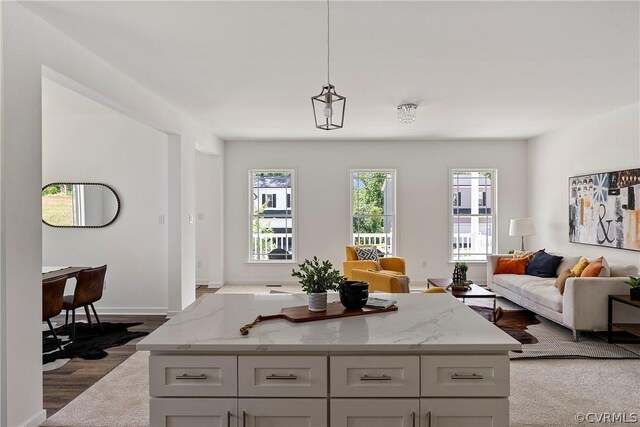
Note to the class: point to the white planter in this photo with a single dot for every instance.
(318, 302)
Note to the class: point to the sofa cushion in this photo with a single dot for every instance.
(620, 270)
(545, 293)
(562, 279)
(577, 269)
(511, 266)
(543, 265)
(515, 282)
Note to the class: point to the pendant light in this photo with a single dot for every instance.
(328, 106)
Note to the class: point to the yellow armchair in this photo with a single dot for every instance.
(381, 275)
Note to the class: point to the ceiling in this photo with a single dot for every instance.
(476, 69)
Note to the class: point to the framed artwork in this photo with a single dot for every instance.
(603, 209)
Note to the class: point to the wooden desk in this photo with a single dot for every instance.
(64, 272)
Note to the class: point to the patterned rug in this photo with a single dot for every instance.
(548, 340)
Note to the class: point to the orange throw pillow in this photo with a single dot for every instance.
(593, 269)
(511, 265)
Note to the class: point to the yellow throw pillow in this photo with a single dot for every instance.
(579, 267)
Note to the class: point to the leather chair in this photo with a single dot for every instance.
(52, 292)
(385, 275)
(88, 290)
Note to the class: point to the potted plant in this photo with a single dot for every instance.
(316, 279)
(634, 292)
(464, 267)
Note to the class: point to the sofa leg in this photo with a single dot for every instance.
(576, 335)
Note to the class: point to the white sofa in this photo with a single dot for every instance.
(583, 307)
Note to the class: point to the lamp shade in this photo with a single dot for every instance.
(522, 227)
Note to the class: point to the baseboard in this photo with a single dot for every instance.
(36, 420)
(208, 284)
(128, 310)
(171, 314)
(261, 282)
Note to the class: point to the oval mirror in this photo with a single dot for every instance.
(78, 205)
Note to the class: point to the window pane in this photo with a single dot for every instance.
(272, 219)
(472, 215)
(373, 215)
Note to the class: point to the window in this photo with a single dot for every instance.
(272, 226)
(373, 207)
(473, 210)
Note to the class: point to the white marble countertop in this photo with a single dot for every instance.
(423, 323)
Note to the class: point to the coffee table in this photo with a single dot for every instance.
(475, 292)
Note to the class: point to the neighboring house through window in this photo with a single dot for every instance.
(272, 236)
(472, 214)
(373, 209)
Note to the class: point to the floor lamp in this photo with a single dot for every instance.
(522, 227)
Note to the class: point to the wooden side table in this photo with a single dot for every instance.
(632, 328)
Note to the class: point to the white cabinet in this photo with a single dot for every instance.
(192, 375)
(465, 376)
(176, 412)
(282, 376)
(282, 412)
(464, 412)
(375, 412)
(375, 376)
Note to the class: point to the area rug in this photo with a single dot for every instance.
(513, 322)
(544, 339)
(90, 343)
(560, 389)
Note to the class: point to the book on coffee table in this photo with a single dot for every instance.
(380, 303)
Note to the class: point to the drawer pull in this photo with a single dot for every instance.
(191, 377)
(466, 377)
(244, 419)
(228, 418)
(281, 377)
(428, 418)
(413, 419)
(376, 378)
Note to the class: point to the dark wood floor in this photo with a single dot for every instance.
(64, 384)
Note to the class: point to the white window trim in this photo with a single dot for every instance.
(294, 214)
(494, 211)
(394, 245)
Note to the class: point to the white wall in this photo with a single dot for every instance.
(209, 208)
(83, 141)
(322, 189)
(32, 47)
(605, 143)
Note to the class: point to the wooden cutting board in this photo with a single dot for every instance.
(301, 313)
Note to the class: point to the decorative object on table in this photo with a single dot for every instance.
(380, 303)
(407, 113)
(316, 279)
(353, 294)
(464, 267)
(456, 277)
(301, 314)
(328, 106)
(522, 227)
(634, 292)
(603, 210)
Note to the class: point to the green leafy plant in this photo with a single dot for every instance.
(463, 267)
(317, 277)
(634, 282)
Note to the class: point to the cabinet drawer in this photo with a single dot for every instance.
(375, 376)
(193, 376)
(374, 412)
(464, 412)
(282, 376)
(282, 412)
(167, 412)
(462, 376)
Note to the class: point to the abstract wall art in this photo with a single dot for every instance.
(604, 211)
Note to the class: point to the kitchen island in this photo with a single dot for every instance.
(433, 362)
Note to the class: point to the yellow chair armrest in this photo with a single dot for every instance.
(349, 266)
(379, 282)
(393, 263)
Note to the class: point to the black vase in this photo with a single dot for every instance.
(354, 294)
(634, 294)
